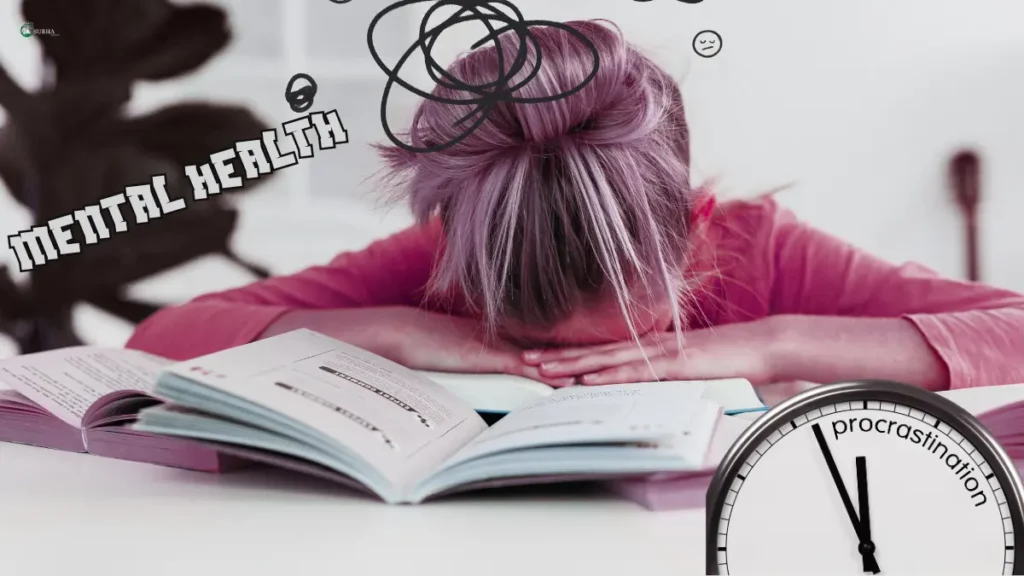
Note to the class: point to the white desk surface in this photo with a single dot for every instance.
(77, 515)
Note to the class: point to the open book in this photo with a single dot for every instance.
(1001, 410)
(79, 399)
(494, 395)
(305, 401)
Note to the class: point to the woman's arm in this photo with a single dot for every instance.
(844, 314)
(835, 349)
(388, 273)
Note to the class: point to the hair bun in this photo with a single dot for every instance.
(601, 207)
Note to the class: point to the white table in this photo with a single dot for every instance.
(78, 515)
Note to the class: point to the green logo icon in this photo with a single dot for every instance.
(27, 29)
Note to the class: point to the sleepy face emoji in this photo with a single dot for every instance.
(707, 43)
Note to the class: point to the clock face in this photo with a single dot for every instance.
(940, 499)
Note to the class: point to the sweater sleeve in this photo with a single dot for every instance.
(390, 272)
(977, 330)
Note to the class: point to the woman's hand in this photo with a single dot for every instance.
(443, 343)
(743, 350)
(417, 339)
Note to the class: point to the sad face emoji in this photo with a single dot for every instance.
(707, 43)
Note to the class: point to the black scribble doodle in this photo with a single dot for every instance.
(380, 393)
(483, 97)
(300, 99)
(347, 414)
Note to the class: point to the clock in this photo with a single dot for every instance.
(865, 477)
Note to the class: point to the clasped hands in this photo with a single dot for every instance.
(729, 351)
(450, 344)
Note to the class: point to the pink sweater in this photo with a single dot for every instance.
(768, 263)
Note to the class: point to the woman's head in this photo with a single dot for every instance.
(558, 210)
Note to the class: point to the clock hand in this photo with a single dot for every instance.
(866, 547)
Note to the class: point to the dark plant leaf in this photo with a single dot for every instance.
(203, 227)
(188, 133)
(69, 146)
(134, 39)
(94, 36)
(131, 310)
(187, 40)
(15, 165)
(13, 98)
(12, 299)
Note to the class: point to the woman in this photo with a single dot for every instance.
(563, 242)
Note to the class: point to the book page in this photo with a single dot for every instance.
(983, 399)
(68, 381)
(8, 394)
(625, 413)
(9, 397)
(502, 394)
(492, 393)
(400, 422)
(734, 395)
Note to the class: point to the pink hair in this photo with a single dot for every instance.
(547, 206)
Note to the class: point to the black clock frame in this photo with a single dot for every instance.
(873, 391)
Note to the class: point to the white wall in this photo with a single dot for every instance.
(861, 104)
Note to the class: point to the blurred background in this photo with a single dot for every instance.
(861, 106)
